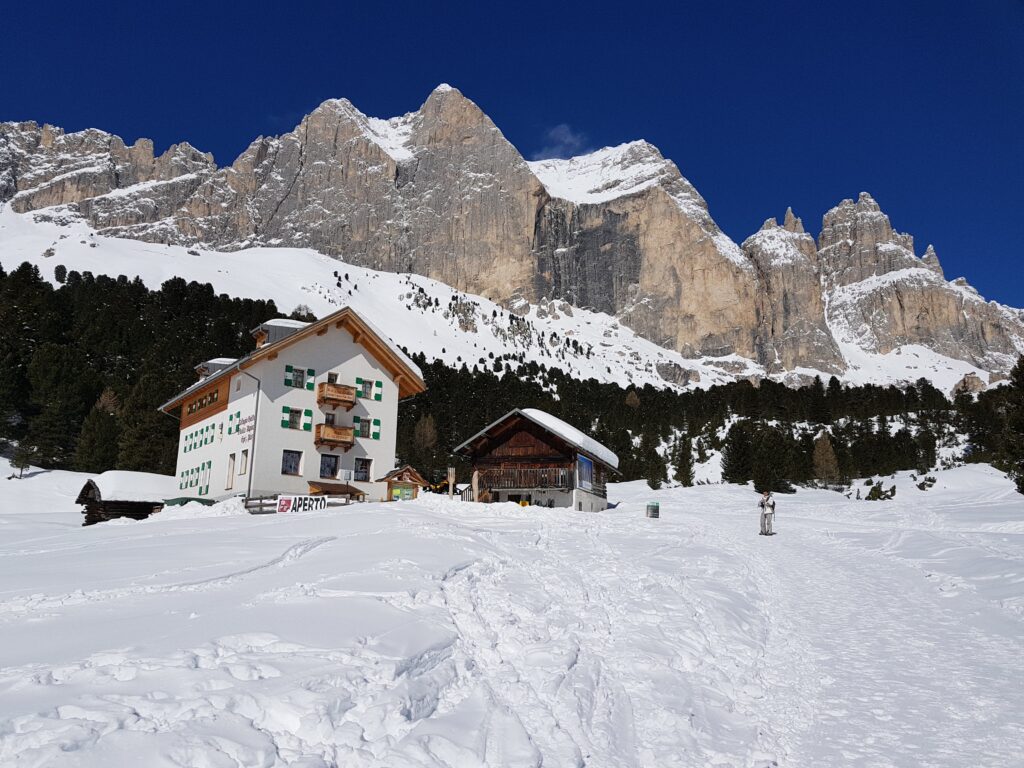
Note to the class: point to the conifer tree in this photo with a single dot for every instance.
(22, 458)
(1012, 453)
(48, 438)
(826, 466)
(772, 457)
(149, 439)
(653, 465)
(738, 454)
(682, 457)
(98, 441)
(927, 453)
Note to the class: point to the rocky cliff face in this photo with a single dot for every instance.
(442, 193)
(792, 327)
(880, 296)
(43, 166)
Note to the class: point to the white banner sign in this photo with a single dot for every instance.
(286, 504)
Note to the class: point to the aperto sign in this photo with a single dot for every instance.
(288, 504)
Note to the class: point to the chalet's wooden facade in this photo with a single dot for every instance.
(529, 456)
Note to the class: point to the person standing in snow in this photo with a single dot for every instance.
(767, 505)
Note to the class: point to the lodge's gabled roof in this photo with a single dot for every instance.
(574, 437)
(405, 372)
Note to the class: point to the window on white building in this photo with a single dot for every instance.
(299, 378)
(332, 378)
(363, 467)
(367, 388)
(295, 419)
(291, 463)
(364, 428)
(243, 465)
(328, 465)
(230, 481)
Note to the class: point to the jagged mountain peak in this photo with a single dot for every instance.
(441, 192)
(792, 223)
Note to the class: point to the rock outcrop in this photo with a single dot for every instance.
(442, 193)
(880, 296)
(42, 166)
(792, 330)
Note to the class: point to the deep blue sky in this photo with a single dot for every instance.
(762, 105)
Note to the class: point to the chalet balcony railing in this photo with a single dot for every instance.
(334, 395)
(532, 477)
(335, 436)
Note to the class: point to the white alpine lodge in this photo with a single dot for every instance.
(313, 410)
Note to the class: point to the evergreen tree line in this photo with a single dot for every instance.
(84, 365)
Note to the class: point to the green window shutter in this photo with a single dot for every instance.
(288, 375)
(355, 420)
(310, 375)
(378, 393)
(376, 429)
(231, 418)
(359, 387)
(284, 416)
(307, 420)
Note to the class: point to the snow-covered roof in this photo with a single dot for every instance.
(574, 437)
(285, 322)
(571, 435)
(119, 485)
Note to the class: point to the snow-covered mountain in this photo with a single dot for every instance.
(441, 193)
(424, 315)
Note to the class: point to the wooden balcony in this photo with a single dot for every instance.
(334, 436)
(526, 478)
(334, 395)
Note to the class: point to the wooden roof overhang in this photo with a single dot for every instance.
(334, 489)
(408, 380)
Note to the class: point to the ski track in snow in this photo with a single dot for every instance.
(438, 633)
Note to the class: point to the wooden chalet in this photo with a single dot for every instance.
(529, 456)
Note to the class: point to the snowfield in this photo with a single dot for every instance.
(438, 633)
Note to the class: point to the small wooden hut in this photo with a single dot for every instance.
(403, 483)
(125, 494)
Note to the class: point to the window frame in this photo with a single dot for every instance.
(298, 465)
(368, 463)
(337, 465)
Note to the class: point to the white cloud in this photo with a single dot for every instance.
(561, 142)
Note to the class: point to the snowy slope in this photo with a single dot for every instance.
(424, 315)
(437, 633)
(418, 313)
